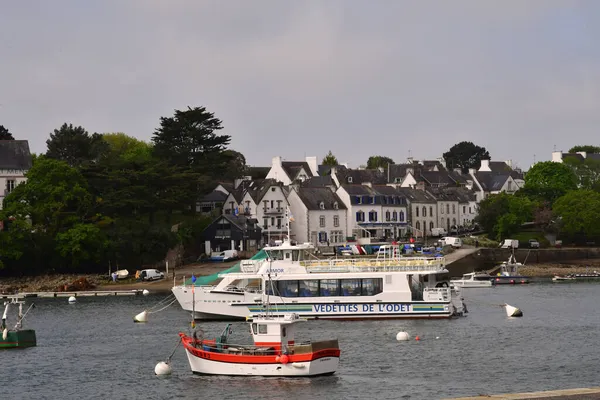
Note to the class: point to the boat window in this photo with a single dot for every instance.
(295, 255)
(288, 288)
(276, 255)
(262, 329)
(309, 288)
(287, 255)
(329, 287)
(371, 287)
(351, 287)
(254, 331)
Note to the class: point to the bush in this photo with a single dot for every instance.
(484, 241)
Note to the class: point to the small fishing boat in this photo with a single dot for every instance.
(474, 280)
(509, 273)
(558, 278)
(16, 337)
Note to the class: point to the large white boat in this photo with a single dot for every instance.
(474, 280)
(389, 286)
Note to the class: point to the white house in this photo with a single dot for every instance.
(374, 211)
(15, 161)
(271, 207)
(319, 216)
(288, 172)
(422, 211)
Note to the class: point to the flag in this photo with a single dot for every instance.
(290, 216)
(236, 211)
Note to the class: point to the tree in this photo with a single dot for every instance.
(579, 211)
(235, 165)
(549, 180)
(587, 172)
(5, 134)
(124, 148)
(491, 209)
(330, 160)
(585, 148)
(375, 162)
(465, 155)
(75, 145)
(501, 215)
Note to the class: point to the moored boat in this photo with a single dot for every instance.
(16, 337)
(509, 273)
(274, 352)
(474, 280)
(558, 278)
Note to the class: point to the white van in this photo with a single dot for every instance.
(453, 241)
(151, 275)
(438, 232)
(510, 244)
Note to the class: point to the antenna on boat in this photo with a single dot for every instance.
(289, 218)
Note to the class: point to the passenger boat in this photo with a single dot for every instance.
(389, 286)
(509, 273)
(275, 351)
(16, 337)
(474, 280)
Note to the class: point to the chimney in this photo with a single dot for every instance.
(410, 160)
(557, 156)
(312, 164)
(442, 161)
(276, 161)
(458, 170)
(472, 171)
(410, 171)
(485, 165)
(509, 163)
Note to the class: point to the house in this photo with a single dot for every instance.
(559, 156)
(419, 178)
(232, 232)
(319, 216)
(225, 187)
(397, 172)
(374, 211)
(504, 167)
(15, 161)
(342, 175)
(493, 178)
(422, 211)
(320, 181)
(288, 172)
(272, 203)
(448, 208)
(212, 202)
(467, 205)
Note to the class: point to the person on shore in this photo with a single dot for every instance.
(114, 277)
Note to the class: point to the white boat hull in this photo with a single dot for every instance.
(472, 284)
(321, 366)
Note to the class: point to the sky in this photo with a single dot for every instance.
(299, 78)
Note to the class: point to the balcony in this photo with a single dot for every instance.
(273, 211)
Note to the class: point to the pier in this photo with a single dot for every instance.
(87, 293)
(564, 394)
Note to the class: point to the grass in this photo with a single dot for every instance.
(523, 238)
(484, 241)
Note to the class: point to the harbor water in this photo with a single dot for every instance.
(93, 350)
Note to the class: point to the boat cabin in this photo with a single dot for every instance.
(276, 332)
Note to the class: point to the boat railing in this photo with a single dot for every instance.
(375, 265)
(432, 294)
(252, 349)
(251, 266)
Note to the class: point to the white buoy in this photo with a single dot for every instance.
(72, 299)
(4, 333)
(513, 311)
(402, 336)
(162, 368)
(437, 337)
(145, 292)
(141, 317)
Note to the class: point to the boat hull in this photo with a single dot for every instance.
(473, 284)
(19, 339)
(511, 280)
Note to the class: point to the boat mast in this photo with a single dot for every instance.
(3, 325)
(287, 217)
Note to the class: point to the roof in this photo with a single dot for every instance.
(259, 187)
(499, 166)
(575, 155)
(258, 172)
(15, 154)
(293, 168)
(227, 186)
(490, 181)
(359, 176)
(319, 181)
(312, 197)
(380, 194)
(416, 195)
(215, 196)
(240, 221)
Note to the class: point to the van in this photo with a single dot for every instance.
(438, 232)
(151, 275)
(453, 241)
(510, 244)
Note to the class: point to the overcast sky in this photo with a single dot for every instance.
(301, 77)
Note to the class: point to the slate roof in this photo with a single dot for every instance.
(359, 176)
(574, 155)
(490, 181)
(258, 172)
(259, 187)
(463, 195)
(292, 168)
(319, 181)
(313, 196)
(215, 196)
(499, 166)
(240, 221)
(15, 154)
(416, 195)
(227, 186)
(379, 194)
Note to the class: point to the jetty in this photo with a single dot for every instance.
(564, 394)
(460, 253)
(86, 293)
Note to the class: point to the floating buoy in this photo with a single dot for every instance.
(4, 333)
(402, 336)
(437, 337)
(513, 311)
(417, 338)
(162, 368)
(141, 317)
(145, 292)
(72, 299)
(284, 359)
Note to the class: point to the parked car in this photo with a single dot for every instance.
(534, 244)
(151, 275)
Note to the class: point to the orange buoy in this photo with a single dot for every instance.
(417, 338)
(284, 359)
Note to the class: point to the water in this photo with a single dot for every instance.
(93, 350)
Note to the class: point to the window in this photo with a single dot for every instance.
(453, 208)
(387, 215)
(262, 329)
(431, 226)
(279, 220)
(453, 221)
(470, 212)
(417, 212)
(430, 211)
(337, 237)
(336, 221)
(447, 208)
(395, 216)
(360, 216)
(272, 204)
(373, 216)
(329, 287)
(372, 199)
(442, 208)
(336, 206)
(401, 216)
(272, 189)
(424, 211)
(442, 222)
(351, 287)
(358, 200)
(287, 288)
(322, 205)
(322, 237)
(371, 287)
(464, 209)
(322, 221)
(265, 223)
(418, 226)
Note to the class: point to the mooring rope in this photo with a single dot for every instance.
(173, 352)
(165, 307)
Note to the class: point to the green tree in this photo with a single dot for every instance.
(587, 172)
(586, 148)
(5, 134)
(491, 209)
(465, 155)
(501, 215)
(330, 160)
(375, 162)
(579, 211)
(124, 148)
(75, 146)
(234, 165)
(549, 180)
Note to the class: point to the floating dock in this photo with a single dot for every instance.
(86, 293)
(564, 394)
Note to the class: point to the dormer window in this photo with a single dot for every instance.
(373, 200)
(349, 179)
(335, 205)
(322, 205)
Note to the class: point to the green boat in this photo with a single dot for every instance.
(16, 338)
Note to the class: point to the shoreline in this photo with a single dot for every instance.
(56, 283)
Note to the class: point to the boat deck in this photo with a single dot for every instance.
(88, 293)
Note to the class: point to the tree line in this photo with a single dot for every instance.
(560, 198)
(95, 199)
